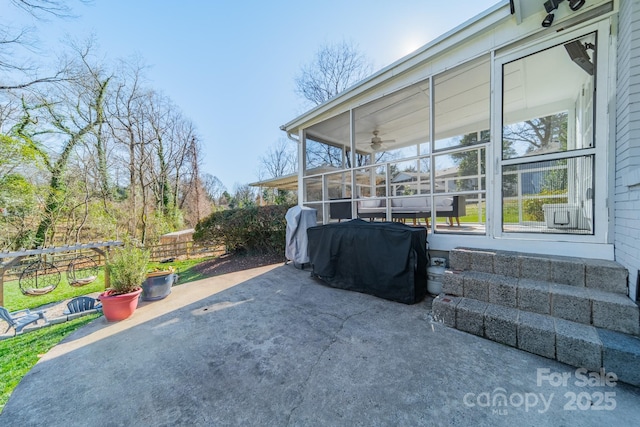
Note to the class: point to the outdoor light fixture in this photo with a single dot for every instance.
(551, 5)
(576, 4)
(548, 20)
(578, 53)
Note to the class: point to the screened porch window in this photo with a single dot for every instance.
(548, 139)
(322, 155)
(462, 121)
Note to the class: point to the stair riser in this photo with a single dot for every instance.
(603, 275)
(568, 342)
(581, 305)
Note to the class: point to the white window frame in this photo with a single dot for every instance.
(602, 123)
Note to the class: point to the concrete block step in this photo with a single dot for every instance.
(569, 342)
(577, 304)
(621, 355)
(604, 275)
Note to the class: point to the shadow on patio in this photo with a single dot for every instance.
(271, 346)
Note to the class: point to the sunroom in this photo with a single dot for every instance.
(494, 135)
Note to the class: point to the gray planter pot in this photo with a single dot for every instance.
(158, 287)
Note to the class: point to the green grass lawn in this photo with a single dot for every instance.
(473, 214)
(184, 269)
(14, 300)
(509, 213)
(19, 354)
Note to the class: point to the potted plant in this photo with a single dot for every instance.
(158, 283)
(127, 269)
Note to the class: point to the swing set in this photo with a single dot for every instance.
(41, 276)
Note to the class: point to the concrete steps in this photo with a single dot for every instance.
(569, 309)
(589, 306)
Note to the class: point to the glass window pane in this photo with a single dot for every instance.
(463, 140)
(371, 182)
(549, 197)
(397, 154)
(338, 185)
(425, 148)
(540, 135)
(424, 178)
(405, 178)
(381, 181)
(362, 159)
(461, 214)
(322, 157)
(461, 171)
(312, 189)
(393, 126)
(549, 108)
(462, 105)
(319, 209)
(325, 142)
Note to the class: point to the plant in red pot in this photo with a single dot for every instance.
(127, 268)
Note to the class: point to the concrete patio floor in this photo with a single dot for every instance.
(273, 347)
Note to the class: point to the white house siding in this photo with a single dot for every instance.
(627, 181)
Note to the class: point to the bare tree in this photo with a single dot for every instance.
(192, 198)
(116, 154)
(41, 8)
(161, 151)
(197, 204)
(535, 135)
(243, 196)
(76, 110)
(279, 160)
(213, 187)
(334, 68)
(185, 160)
(125, 125)
(22, 40)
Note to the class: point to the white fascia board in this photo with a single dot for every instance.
(491, 29)
(460, 34)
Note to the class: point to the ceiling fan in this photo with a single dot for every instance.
(376, 141)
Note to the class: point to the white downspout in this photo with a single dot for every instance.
(301, 149)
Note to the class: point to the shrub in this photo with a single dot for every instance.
(533, 207)
(255, 229)
(127, 268)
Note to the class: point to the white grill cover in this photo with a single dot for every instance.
(299, 218)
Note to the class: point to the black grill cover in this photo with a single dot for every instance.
(385, 259)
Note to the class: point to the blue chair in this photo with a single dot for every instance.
(21, 318)
(80, 304)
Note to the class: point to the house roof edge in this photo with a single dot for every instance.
(493, 15)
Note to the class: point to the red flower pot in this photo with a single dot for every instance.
(119, 307)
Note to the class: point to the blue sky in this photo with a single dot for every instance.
(230, 65)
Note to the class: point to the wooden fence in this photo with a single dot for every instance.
(189, 250)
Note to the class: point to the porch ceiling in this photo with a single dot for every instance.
(461, 97)
(461, 103)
